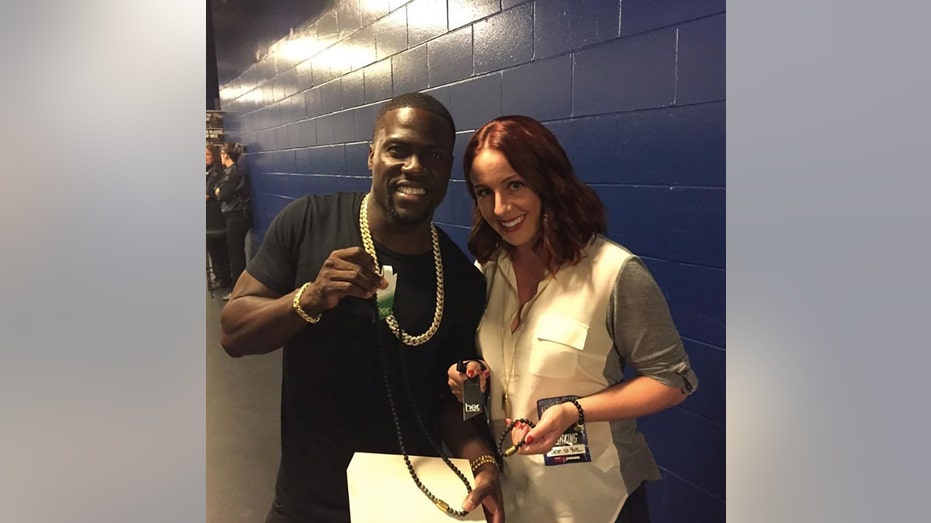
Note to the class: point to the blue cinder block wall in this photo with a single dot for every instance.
(635, 91)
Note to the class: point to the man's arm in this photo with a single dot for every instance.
(258, 320)
(466, 440)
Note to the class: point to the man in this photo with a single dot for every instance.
(311, 288)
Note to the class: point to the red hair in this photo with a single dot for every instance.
(572, 214)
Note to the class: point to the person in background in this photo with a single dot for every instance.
(353, 380)
(216, 247)
(233, 193)
(567, 311)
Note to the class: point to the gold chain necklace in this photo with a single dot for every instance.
(369, 245)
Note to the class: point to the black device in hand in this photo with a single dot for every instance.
(473, 400)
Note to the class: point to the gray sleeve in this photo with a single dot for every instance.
(641, 327)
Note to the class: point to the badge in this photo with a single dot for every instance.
(572, 445)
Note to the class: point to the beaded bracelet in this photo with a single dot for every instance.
(296, 305)
(482, 460)
(578, 407)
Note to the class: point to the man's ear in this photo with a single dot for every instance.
(371, 154)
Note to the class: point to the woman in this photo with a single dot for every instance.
(216, 246)
(567, 311)
(233, 193)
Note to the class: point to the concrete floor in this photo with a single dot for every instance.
(243, 446)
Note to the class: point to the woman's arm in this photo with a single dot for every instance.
(641, 326)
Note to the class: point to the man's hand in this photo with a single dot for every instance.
(258, 320)
(346, 272)
(473, 368)
(487, 492)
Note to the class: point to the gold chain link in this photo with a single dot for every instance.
(369, 245)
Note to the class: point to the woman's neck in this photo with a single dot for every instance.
(528, 259)
(529, 269)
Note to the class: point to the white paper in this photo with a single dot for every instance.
(381, 489)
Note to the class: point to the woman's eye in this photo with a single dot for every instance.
(481, 193)
(515, 185)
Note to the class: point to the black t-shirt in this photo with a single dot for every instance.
(333, 391)
(214, 216)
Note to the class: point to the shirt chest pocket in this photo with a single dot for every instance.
(557, 342)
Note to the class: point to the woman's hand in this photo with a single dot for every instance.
(473, 368)
(518, 432)
(540, 439)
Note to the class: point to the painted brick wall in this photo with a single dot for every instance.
(634, 90)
